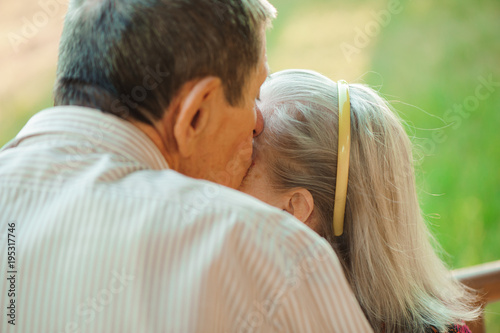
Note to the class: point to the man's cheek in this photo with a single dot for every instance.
(240, 162)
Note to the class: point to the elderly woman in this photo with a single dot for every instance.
(367, 208)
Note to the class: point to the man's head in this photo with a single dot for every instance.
(175, 66)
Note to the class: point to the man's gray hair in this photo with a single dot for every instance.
(130, 57)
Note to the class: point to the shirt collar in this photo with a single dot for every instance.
(95, 127)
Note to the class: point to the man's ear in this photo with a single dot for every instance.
(194, 111)
(300, 204)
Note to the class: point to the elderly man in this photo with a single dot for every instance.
(112, 215)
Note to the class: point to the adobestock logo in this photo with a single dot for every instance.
(298, 274)
(455, 115)
(88, 310)
(139, 93)
(32, 26)
(381, 18)
(483, 91)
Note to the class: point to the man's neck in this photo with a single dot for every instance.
(163, 140)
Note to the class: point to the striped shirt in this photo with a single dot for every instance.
(98, 235)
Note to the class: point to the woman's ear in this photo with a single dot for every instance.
(194, 111)
(300, 204)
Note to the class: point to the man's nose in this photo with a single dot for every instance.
(259, 123)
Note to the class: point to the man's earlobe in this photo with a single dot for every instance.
(194, 112)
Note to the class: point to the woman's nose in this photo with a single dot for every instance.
(259, 123)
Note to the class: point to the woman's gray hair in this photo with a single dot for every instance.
(386, 248)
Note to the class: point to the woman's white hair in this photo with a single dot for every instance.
(386, 248)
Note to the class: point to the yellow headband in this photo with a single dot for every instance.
(342, 157)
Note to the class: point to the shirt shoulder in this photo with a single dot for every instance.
(235, 222)
(201, 201)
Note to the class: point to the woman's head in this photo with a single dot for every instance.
(385, 239)
(298, 149)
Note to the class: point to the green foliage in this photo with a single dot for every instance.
(433, 57)
(438, 59)
(437, 70)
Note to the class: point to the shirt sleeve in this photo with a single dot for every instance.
(298, 280)
(316, 296)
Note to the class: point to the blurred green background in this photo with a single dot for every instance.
(431, 60)
(437, 62)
